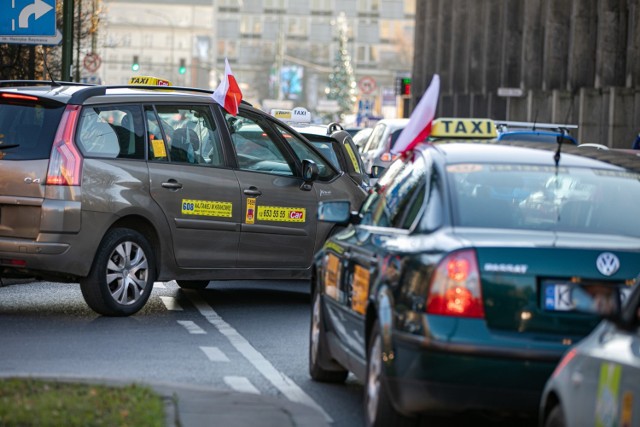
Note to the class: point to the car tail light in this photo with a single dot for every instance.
(455, 287)
(19, 97)
(65, 163)
(388, 157)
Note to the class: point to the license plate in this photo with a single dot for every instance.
(560, 296)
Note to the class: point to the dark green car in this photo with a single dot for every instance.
(450, 290)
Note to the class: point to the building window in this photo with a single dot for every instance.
(251, 24)
(365, 6)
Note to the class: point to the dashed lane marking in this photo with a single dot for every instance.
(171, 303)
(279, 380)
(215, 354)
(191, 327)
(241, 384)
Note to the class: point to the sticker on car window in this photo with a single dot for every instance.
(281, 214)
(360, 287)
(158, 148)
(251, 211)
(608, 394)
(331, 272)
(206, 208)
(352, 156)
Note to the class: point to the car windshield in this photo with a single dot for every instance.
(545, 198)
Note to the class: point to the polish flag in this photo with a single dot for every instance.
(419, 126)
(228, 92)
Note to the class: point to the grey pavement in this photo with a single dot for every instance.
(198, 406)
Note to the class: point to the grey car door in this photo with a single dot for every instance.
(278, 216)
(198, 193)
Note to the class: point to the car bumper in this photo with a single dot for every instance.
(429, 375)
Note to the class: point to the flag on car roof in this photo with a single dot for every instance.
(419, 126)
(228, 92)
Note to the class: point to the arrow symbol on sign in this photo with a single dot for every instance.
(38, 8)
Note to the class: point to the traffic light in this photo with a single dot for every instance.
(183, 67)
(405, 86)
(135, 64)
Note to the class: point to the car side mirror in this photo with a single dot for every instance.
(310, 173)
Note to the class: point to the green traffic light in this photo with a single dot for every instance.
(135, 67)
(182, 70)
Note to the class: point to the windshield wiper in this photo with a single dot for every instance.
(3, 146)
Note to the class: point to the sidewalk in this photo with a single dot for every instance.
(201, 406)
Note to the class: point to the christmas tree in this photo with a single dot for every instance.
(342, 84)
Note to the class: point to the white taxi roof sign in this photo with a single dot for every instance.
(297, 115)
(463, 128)
(148, 81)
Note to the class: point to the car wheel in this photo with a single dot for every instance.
(321, 366)
(192, 284)
(122, 275)
(555, 417)
(378, 409)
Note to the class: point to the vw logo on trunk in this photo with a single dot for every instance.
(607, 263)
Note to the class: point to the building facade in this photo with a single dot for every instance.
(559, 61)
(277, 49)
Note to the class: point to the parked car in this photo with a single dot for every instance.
(536, 132)
(360, 138)
(446, 290)
(332, 140)
(380, 142)
(117, 187)
(597, 383)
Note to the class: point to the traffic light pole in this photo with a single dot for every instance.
(67, 39)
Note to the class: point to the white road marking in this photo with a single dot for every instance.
(171, 303)
(241, 384)
(215, 354)
(279, 380)
(159, 285)
(191, 327)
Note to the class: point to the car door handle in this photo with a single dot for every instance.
(252, 191)
(172, 184)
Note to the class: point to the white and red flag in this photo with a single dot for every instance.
(228, 92)
(419, 126)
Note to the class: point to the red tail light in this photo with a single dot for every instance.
(65, 163)
(19, 97)
(564, 362)
(388, 157)
(455, 287)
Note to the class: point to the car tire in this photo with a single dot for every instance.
(122, 275)
(555, 417)
(321, 366)
(193, 284)
(378, 409)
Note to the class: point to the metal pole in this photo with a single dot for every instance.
(67, 39)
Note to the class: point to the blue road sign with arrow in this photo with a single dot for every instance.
(28, 18)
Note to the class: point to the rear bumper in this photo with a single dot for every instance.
(428, 375)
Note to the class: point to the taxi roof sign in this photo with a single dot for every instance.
(297, 115)
(148, 81)
(463, 128)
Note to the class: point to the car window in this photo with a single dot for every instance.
(28, 127)
(304, 152)
(375, 139)
(112, 131)
(191, 134)
(398, 202)
(255, 150)
(567, 199)
(157, 146)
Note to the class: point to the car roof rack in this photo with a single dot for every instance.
(505, 125)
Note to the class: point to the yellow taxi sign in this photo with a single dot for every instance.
(297, 115)
(463, 128)
(148, 81)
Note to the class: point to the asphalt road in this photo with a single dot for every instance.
(247, 336)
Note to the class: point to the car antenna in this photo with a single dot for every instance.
(46, 67)
(560, 139)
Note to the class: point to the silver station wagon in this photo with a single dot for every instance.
(116, 187)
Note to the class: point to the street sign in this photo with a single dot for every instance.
(510, 92)
(29, 22)
(92, 62)
(367, 85)
(28, 18)
(41, 40)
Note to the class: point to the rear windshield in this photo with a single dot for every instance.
(545, 198)
(27, 130)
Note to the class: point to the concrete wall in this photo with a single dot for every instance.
(576, 62)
